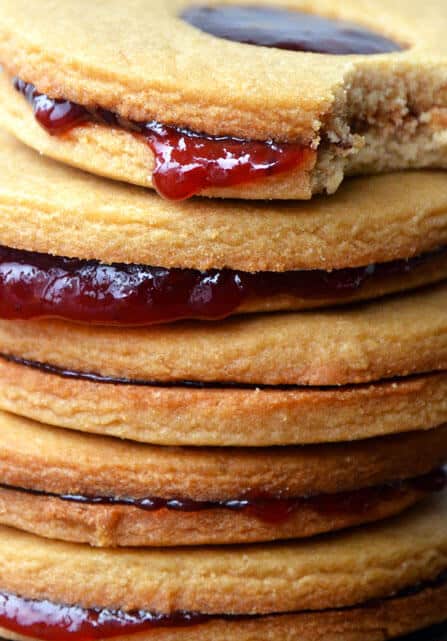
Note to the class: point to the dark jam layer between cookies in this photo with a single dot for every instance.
(291, 30)
(48, 621)
(274, 510)
(186, 162)
(36, 285)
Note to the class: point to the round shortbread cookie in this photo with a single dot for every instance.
(351, 109)
(39, 458)
(225, 417)
(64, 212)
(377, 621)
(399, 336)
(340, 570)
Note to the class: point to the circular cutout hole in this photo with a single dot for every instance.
(285, 29)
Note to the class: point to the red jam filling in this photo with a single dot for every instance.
(48, 621)
(284, 29)
(36, 285)
(185, 162)
(274, 510)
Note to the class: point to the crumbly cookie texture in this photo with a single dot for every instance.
(146, 65)
(400, 336)
(225, 417)
(379, 621)
(65, 212)
(109, 467)
(318, 574)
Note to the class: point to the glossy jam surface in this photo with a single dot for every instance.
(284, 29)
(36, 285)
(56, 116)
(185, 162)
(53, 622)
(274, 510)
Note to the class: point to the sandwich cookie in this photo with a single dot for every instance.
(400, 336)
(90, 251)
(224, 416)
(391, 574)
(300, 96)
(116, 493)
(399, 614)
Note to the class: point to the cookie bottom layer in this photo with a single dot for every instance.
(377, 621)
(38, 457)
(120, 154)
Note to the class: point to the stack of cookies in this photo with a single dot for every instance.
(223, 370)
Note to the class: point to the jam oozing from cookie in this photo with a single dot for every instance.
(273, 510)
(48, 621)
(56, 116)
(284, 29)
(34, 285)
(186, 162)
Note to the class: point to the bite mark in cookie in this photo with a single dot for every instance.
(305, 119)
(186, 162)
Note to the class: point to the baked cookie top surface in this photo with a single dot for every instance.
(336, 571)
(64, 212)
(146, 64)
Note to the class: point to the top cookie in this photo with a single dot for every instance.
(316, 115)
